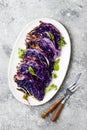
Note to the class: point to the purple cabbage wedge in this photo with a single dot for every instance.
(47, 30)
(41, 70)
(42, 49)
(31, 85)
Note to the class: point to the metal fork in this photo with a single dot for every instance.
(69, 92)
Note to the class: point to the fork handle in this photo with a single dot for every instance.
(57, 112)
(51, 108)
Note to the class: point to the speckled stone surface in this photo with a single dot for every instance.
(14, 15)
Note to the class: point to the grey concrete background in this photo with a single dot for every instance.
(14, 15)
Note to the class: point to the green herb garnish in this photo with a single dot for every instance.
(20, 53)
(31, 70)
(62, 41)
(54, 75)
(50, 35)
(50, 87)
(56, 64)
(25, 96)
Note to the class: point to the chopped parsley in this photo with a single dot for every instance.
(50, 87)
(31, 70)
(56, 64)
(20, 53)
(50, 35)
(62, 41)
(25, 96)
(54, 75)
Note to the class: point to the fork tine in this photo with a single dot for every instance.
(75, 81)
(74, 89)
(71, 88)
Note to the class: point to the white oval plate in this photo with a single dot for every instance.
(64, 61)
